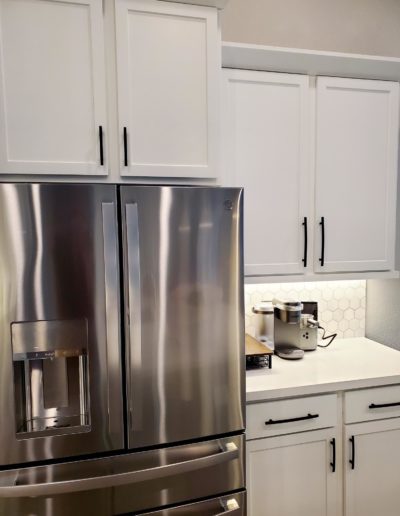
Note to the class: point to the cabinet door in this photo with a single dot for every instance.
(373, 487)
(356, 169)
(293, 475)
(168, 70)
(52, 87)
(265, 125)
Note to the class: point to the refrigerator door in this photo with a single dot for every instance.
(131, 483)
(182, 251)
(60, 363)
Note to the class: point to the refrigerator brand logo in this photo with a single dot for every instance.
(228, 204)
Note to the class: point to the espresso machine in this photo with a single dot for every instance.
(295, 328)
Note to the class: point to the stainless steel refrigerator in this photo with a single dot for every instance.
(121, 350)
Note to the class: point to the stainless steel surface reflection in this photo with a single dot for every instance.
(60, 364)
(184, 312)
(126, 484)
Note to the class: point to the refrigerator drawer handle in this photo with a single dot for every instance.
(231, 506)
(229, 452)
(228, 506)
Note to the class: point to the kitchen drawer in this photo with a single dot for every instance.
(291, 415)
(370, 404)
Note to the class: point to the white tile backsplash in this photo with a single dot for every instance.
(341, 304)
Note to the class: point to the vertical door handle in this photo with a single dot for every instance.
(112, 313)
(352, 459)
(305, 241)
(134, 316)
(333, 463)
(125, 147)
(101, 145)
(322, 224)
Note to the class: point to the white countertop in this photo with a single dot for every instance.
(345, 364)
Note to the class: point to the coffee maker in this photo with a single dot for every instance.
(295, 328)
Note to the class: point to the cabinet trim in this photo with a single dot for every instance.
(309, 62)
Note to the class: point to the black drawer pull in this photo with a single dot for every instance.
(305, 242)
(101, 145)
(352, 459)
(383, 405)
(292, 420)
(333, 463)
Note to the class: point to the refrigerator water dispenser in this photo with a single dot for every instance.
(50, 361)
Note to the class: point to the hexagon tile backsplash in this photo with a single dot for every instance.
(341, 304)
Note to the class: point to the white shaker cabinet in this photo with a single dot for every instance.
(168, 65)
(265, 150)
(356, 170)
(52, 87)
(372, 475)
(293, 475)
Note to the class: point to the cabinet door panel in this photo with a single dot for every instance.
(168, 63)
(52, 86)
(356, 168)
(265, 151)
(373, 487)
(292, 476)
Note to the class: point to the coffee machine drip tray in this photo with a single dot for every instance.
(289, 352)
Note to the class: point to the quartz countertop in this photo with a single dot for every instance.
(346, 364)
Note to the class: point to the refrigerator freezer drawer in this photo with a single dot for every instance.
(125, 483)
(234, 505)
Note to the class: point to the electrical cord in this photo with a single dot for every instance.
(326, 337)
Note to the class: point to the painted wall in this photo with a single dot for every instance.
(382, 312)
(358, 26)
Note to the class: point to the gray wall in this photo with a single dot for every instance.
(383, 312)
(358, 26)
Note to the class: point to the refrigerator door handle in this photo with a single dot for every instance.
(111, 279)
(134, 319)
(11, 486)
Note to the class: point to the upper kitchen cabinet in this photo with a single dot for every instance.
(265, 150)
(168, 59)
(52, 87)
(356, 170)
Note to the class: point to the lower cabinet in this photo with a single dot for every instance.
(372, 469)
(325, 455)
(294, 475)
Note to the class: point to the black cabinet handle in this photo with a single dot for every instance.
(305, 241)
(352, 460)
(125, 147)
(382, 405)
(333, 463)
(101, 145)
(322, 224)
(292, 420)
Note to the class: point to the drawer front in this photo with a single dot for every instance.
(371, 404)
(290, 416)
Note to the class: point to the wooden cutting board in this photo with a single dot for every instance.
(255, 347)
